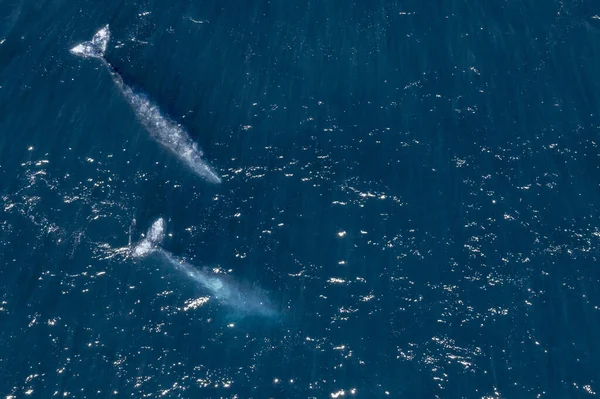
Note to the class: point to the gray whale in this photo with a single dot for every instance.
(243, 298)
(164, 130)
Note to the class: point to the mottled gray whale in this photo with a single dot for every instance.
(163, 129)
(245, 299)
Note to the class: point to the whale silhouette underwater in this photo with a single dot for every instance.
(163, 129)
(243, 299)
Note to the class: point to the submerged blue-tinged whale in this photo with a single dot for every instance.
(163, 129)
(244, 299)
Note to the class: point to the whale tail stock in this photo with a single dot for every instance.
(94, 48)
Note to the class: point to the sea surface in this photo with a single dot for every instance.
(411, 187)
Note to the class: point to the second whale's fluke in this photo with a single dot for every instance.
(153, 238)
(163, 129)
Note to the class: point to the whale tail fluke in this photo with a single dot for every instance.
(96, 47)
(154, 237)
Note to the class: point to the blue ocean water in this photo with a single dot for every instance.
(412, 187)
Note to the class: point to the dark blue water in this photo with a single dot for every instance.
(414, 185)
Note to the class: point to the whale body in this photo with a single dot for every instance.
(163, 129)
